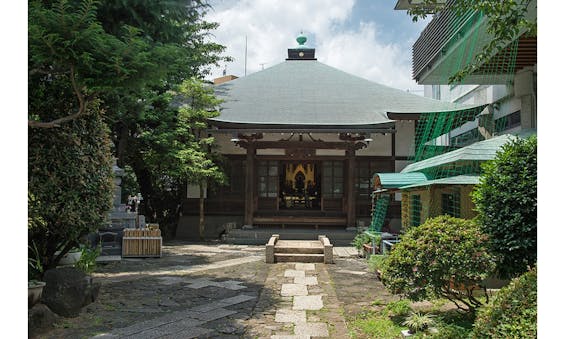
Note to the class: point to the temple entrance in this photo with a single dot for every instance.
(300, 185)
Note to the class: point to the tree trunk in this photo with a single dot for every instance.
(122, 142)
(201, 221)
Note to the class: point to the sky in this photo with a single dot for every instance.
(367, 38)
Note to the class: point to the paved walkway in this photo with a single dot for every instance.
(220, 291)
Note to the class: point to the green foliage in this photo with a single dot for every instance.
(34, 263)
(398, 308)
(129, 54)
(506, 201)
(450, 331)
(70, 179)
(87, 261)
(375, 262)
(197, 161)
(361, 239)
(436, 256)
(371, 325)
(506, 21)
(418, 322)
(512, 312)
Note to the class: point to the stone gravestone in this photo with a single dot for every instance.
(122, 216)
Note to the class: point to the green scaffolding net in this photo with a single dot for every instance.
(450, 146)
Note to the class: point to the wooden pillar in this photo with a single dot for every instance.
(249, 184)
(393, 150)
(350, 156)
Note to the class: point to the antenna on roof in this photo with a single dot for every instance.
(263, 65)
(245, 67)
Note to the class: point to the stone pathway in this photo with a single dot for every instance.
(182, 324)
(308, 304)
(222, 291)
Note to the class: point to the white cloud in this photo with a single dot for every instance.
(271, 27)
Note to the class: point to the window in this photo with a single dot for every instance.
(436, 92)
(415, 210)
(365, 170)
(268, 173)
(466, 138)
(451, 204)
(332, 179)
(507, 122)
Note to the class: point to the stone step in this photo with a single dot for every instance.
(299, 257)
(261, 236)
(299, 247)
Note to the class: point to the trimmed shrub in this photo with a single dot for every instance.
(70, 185)
(445, 257)
(512, 312)
(506, 201)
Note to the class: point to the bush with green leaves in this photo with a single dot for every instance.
(445, 257)
(375, 262)
(87, 261)
(506, 201)
(418, 322)
(398, 308)
(512, 312)
(70, 180)
(360, 239)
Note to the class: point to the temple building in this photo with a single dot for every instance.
(302, 141)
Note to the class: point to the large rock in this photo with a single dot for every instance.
(67, 290)
(40, 318)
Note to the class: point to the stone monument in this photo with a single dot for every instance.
(121, 216)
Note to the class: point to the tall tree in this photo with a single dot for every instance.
(93, 63)
(142, 119)
(506, 200)
(198, 163)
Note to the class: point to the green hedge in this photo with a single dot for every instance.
(513, 311)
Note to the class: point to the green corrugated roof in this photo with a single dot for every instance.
(395, 180)
(456, 180)
(313, 95)
(479, 151)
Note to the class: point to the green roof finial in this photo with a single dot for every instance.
(301, 39)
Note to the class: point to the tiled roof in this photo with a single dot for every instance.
(456, 180)
(310, 94)
(479, 151)
(395, 180)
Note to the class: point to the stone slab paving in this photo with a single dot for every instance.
(291, 290)
(221, 291)
(290, 316)
(308, 302)
(305, 267)
(312, 329)
(294, 273)
(230, 284)
(306, 280)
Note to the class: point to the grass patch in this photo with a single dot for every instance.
(372, 324)
(387, 323)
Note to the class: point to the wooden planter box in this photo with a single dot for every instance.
(142, 243)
